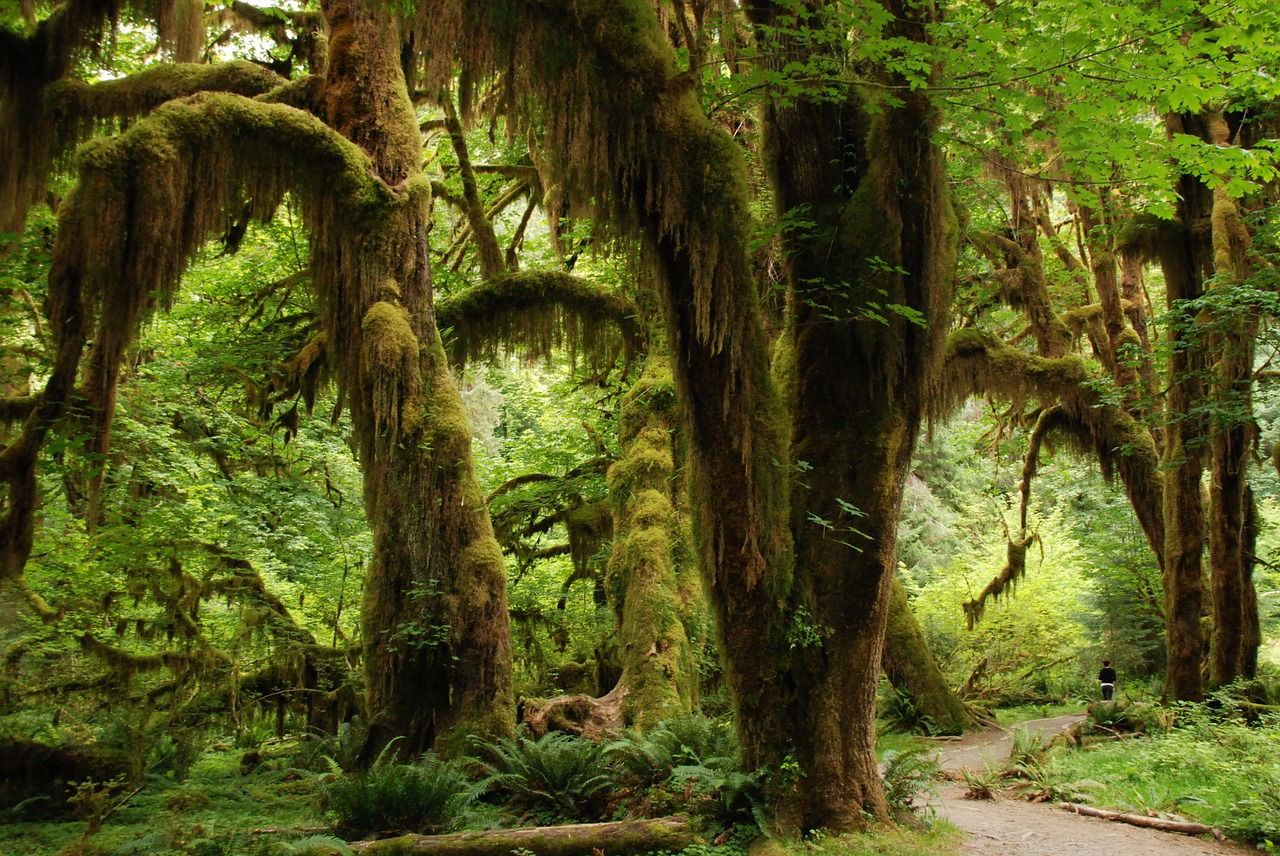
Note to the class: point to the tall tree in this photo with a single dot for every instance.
(345, 143)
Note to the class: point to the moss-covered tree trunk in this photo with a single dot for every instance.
(622, 125)
(625, 128)
(1231, 355)
(1187, 261)
(659, 669)
(884, 234)
(437, 657)
(910, 666)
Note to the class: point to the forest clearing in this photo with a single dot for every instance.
(639, 426)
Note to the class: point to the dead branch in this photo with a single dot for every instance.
(1184, 826)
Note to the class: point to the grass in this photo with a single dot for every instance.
(1210, 767)
(887, 741)
(1007, 716)
(939, 838)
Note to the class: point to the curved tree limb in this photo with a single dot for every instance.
(979, 363)
(540, 311)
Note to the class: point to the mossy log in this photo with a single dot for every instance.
(31, 769)
(581, 839)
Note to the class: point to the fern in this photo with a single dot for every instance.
(908, 774)
(692, 741)
(317, 845)
(557, 771)
(980, 784)
(429, 796)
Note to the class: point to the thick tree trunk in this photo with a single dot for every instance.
(1229, 510)
(910, 666)
(802, 661)
(437, 656)
(659, 670)
(1231, 357)
(1251, 628)
(1187, 261)
(874, 186)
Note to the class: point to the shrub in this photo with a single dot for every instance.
(429, 796)
(980, 784)
(901, 712)
(1114, 716)
(690, 741)
(1027, 750)
(689, 763)
(559, 773)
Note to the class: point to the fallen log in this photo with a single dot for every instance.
(621, 838)
(1184, 826)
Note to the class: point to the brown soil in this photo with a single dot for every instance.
(1013, 827)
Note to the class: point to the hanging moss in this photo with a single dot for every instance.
(40, 124)
(119, 239)
(389, 363)
(15, 408)
(1015, 568)
(543, 312)
(979, 363)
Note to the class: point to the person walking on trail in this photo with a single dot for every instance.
(1107, 677)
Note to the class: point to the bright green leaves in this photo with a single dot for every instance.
(1239, 171)
(1092, 78)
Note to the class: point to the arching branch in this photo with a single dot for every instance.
(979, 364)
(540, 311)
(145, 203)
(43, 112)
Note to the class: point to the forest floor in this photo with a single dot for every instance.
(1013, 827)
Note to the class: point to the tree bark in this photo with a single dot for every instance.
(1187, 261)
(659, 670)
(873, 185)
(910, 666)
(437, 654)
(1231, 357)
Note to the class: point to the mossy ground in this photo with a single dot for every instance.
(213, 811)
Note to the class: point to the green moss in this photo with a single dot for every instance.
(542, 311)
(389, 364)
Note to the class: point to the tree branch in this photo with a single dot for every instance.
(539, 310)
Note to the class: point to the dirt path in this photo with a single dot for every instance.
(1012, 827)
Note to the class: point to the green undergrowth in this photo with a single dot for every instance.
(1210, 765)
(936, 839)
(226, 796)
(1007, 716)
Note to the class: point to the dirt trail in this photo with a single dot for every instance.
(1012, 827)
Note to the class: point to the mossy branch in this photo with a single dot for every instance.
(40, 124)
(978, 364)
(74, 101)
(149, 199)
(1015, 567)
(540, 311)
(15, 408)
